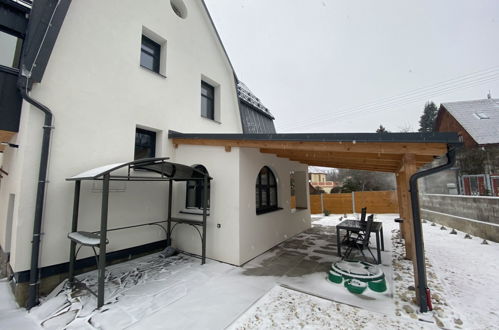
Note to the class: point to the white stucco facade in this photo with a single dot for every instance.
(99, 95)
(258, 233)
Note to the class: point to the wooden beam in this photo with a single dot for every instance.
(402, 201)
(395, 163)
(409, 168)
(342, 163)
(420, 148)
(422, 159)
(5, 136)
(330, 154)
(365, 167)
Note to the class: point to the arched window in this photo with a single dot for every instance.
(194, 198)
(266, 191)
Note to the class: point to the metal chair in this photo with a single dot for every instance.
(361, 241)
(363, 213)
(348, 235)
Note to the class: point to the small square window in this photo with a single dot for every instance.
(207, 101)
(145, 144)
(150, 54)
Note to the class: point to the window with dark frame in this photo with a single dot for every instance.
(266, 191)
(194, 191)
(207, 100)
(150, 54)
(145, 144)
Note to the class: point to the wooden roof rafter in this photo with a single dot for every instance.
(422, 148)
(361, 151)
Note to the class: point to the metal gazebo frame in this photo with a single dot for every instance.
(168, 172)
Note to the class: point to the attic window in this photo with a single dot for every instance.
(179, 8)
(482, 115)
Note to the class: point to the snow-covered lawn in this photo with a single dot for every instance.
(283, 308)
(277, 290)
(469, 275)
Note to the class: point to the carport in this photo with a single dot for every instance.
(403, 154)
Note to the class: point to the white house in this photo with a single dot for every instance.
(119, 77)
(105, 81)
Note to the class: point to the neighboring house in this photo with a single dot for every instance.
(117, 78)
(477, 123)
(319, 181)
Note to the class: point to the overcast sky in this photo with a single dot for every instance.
(349, 66)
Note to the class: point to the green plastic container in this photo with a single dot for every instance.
(335, 277)
(378, 285)
(355, 286)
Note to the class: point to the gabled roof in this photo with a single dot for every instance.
(480, 118)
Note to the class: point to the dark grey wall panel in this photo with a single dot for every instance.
(254, 122)
(40, 37)
(13, 19)
(10, 100)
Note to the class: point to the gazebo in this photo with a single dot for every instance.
(149, 169)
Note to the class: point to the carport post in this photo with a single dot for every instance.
(401, 206)
(353, 202)
(406, 171)
(103, 239)
(74, 228)
(205, 206)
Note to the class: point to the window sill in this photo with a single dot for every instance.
(258, 212)
(9, 70)
(212, 120)
(194, 211)
(156, 73)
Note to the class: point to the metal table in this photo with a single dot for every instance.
(356, 226)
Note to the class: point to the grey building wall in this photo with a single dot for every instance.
(476, 215)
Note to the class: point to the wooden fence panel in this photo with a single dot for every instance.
(315, 204)
(375, 201)
(338, 203)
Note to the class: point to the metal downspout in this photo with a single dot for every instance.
(40, 197)
(418, 233)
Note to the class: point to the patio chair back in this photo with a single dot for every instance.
(363, 213)
(367, 235)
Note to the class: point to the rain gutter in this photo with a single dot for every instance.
(418, 232)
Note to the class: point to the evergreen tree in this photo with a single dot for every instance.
(427, 120)
(381, 129)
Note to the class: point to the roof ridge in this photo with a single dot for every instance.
(471, 101)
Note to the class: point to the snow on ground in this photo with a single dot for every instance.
(11, 316)
(143, 293)
(317, 284)
(177, 292)
(469, 274)
(443, 314)
(282, 308)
